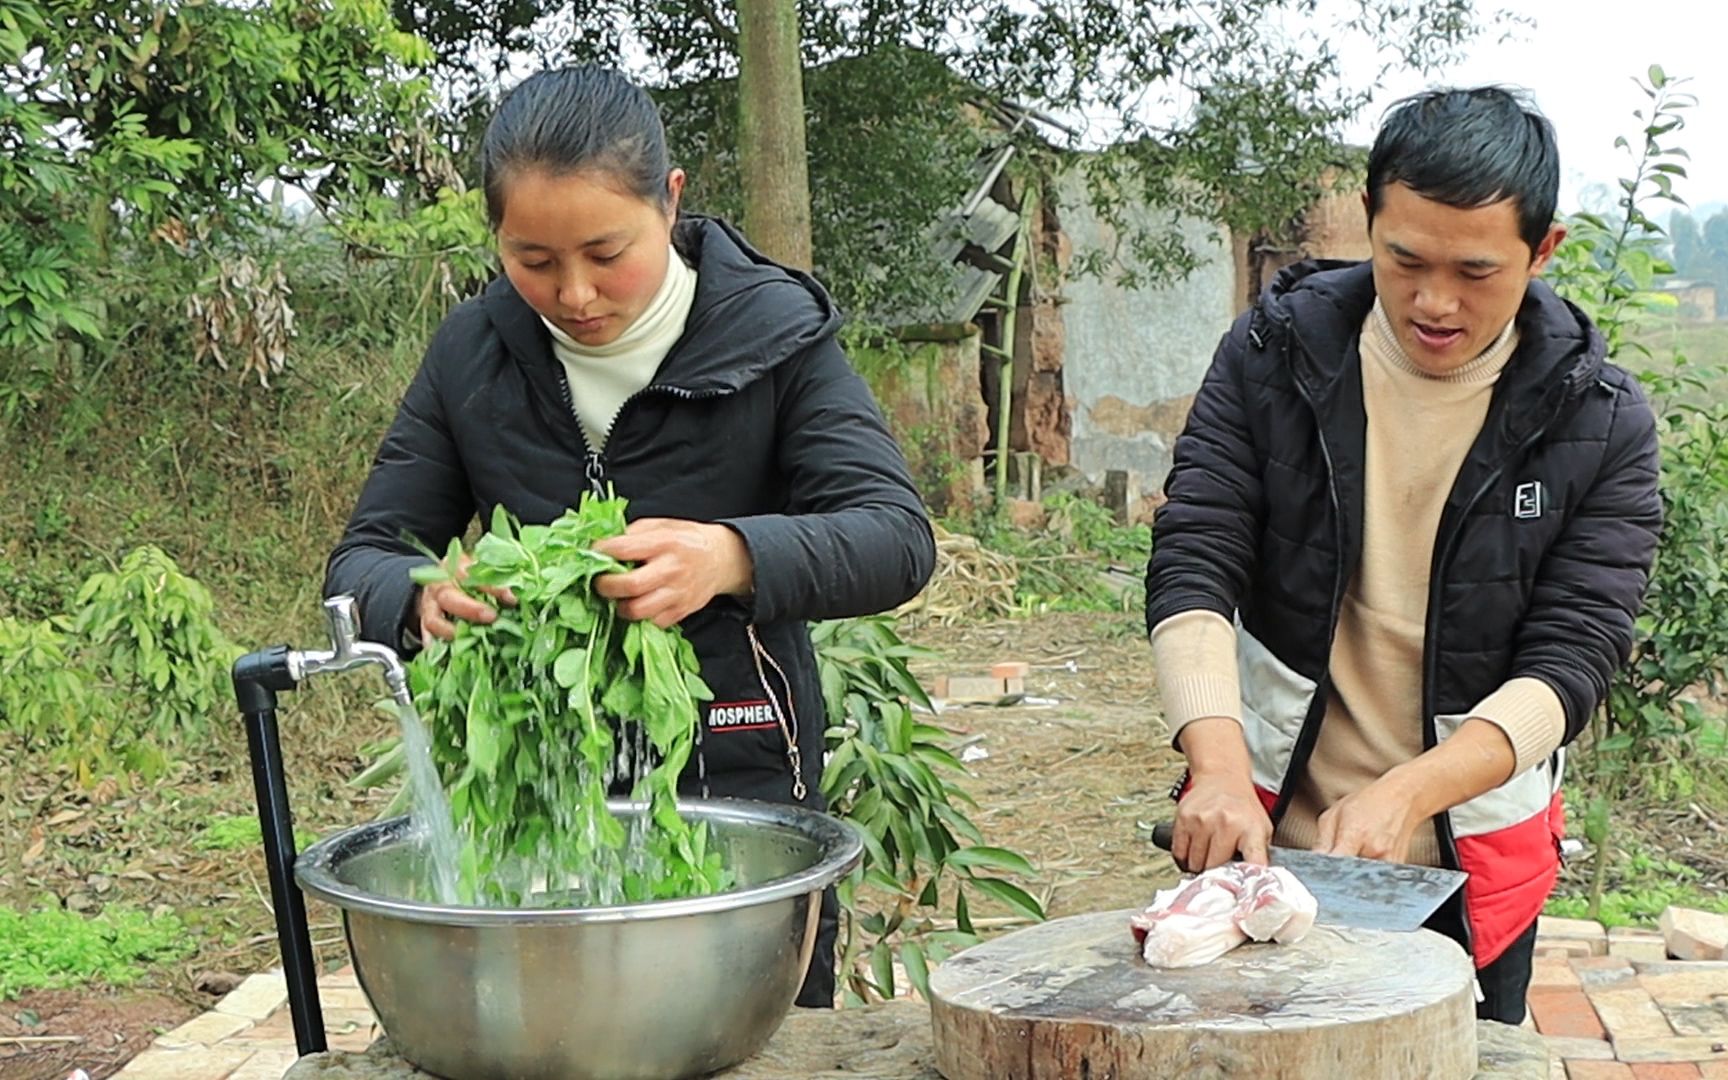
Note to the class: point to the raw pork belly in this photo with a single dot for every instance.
(1206, 916)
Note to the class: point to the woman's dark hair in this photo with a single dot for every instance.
(1470, 148)
(575, 119)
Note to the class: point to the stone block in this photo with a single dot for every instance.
(1685, 984)
(1553, 930)
(1678, 1048)
(1636, 944)
(1571, 1049)
(1596, 971)
(1630, 1013)
(1694, 935)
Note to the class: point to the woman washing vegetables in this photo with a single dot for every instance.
(631, 347)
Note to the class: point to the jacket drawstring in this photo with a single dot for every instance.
(788, 728)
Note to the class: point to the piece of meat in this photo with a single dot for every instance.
(1276, 907)
(1208, 915)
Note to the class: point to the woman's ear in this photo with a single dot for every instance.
(674, 193)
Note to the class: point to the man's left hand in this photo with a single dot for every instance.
(681, 566)
(1377, 822)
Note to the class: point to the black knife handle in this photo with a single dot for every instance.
(1164, 834)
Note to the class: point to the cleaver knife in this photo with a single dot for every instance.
(1368, 894)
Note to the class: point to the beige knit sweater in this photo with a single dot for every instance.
(1420, 428)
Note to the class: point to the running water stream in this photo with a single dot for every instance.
(431, 809)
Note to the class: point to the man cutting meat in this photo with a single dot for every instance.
(1410, 522)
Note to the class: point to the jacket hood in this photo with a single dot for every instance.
(749, 314)
(1324, 302)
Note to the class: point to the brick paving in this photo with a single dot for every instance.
(1609, 1007)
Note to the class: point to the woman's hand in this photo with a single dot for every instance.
(682, 565)
(443, 601)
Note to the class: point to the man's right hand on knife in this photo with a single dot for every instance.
(1221, 818)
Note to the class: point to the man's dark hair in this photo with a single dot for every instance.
(575, 119)
(1470, 148)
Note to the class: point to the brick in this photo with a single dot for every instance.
(203, 1063)
(270, 1064)
(1597, 1070)
(1594, 971)
(1630, 1013)
(1713, 1070)
(1694, 935)
(1678, 1048)
(1011, 669)
(1552, 972)
(1565, 1012)
(342, 976)
(257, 997)
(278, 1029)
(1637, 944)
(1571, 1049)
(205, 1030)
(1671, 1071)
(344, 997)
(980, 688)
(1564, 947)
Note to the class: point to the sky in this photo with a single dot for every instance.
(1579, 61)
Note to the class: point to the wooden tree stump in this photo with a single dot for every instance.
(1073, 1000)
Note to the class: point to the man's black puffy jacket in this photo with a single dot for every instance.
(1544, 546)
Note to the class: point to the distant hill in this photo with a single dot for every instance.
(1702, 212)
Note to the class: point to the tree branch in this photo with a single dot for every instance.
(712, 18)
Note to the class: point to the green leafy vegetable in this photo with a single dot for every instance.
(537, 715)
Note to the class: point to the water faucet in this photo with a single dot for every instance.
(347, 651)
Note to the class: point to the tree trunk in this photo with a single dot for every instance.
(771, 130)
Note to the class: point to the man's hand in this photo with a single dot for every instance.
(682, 565)
(1379, 821)
(1376, 822)
(1222, 814)
(443, 601)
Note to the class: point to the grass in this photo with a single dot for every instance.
(1637, 906)
(237, 832)
(52, 948)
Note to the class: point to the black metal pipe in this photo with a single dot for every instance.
(258, 677)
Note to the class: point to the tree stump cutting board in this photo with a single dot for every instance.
(1072, 999)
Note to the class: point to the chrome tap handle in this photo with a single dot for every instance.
(340, 613)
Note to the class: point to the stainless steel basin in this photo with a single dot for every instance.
(654, 991)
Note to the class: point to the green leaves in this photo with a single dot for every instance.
(896, 779)
(536, 715)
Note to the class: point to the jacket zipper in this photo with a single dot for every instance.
(593, 459)
(1310, 733)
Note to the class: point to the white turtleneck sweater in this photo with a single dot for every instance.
(602, 377)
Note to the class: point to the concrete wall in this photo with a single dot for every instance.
(1133, 358)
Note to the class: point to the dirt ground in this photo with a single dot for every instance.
(1076, 780)
(46, 1034)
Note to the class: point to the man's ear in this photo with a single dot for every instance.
(1545, 250)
